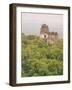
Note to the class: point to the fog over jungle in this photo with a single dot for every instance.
(31, 23)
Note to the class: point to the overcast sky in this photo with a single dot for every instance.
(31, 23)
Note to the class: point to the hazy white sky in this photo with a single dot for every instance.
(31, 23)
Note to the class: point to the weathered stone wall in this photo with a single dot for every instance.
(50, 37)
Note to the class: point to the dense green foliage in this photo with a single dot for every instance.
(40, 58)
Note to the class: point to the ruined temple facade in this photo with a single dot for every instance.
(49, 37)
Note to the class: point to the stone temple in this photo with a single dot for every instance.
(49, 37)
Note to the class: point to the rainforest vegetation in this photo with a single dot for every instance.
(38, 58)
